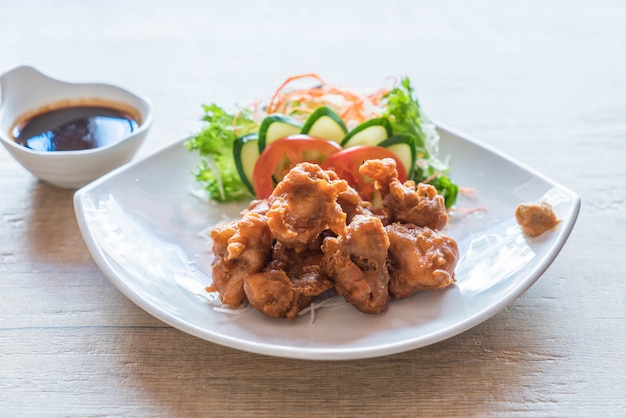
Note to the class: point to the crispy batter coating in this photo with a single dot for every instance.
(272, 293)
(356, 264)
(352, 205)
(288, 284)
(304, 204)
(314, 233)
(420, 258)
(536, 218)
(303, 268)
(407, 203)
(241, 248)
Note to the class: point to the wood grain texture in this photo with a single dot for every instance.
(544, 82)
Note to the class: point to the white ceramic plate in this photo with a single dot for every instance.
(142, 224)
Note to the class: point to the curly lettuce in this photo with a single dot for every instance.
(405, 115)
(217, 171)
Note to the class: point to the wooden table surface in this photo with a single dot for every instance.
(545, 82)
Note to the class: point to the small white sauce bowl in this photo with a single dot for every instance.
(25, 90)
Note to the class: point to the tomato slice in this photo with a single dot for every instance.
(283, 154)
(346, 164)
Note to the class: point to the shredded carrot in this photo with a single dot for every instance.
(354, 112)
(377, 95)
(432, 177)
(468, 211)
(253, 106)
(255, 110)
(352, 107)
(355, 107)
(235, 121)
(273, 104)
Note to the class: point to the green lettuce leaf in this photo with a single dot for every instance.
(405, 115)
(217, 171)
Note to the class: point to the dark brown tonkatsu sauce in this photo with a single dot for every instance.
(74, 128)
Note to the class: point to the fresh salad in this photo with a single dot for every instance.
(246, 152)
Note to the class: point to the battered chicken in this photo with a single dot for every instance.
(315, 233)
(241, 248)
(407, 203)
(304, 204)
(356, 264)
(419, 259)
(352, 205)
(272, 293)
(288, 284)
(536, 218)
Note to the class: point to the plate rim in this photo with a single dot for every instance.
(334, 353)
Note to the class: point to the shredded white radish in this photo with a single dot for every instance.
(326, 303)
(230, 311)
(214, 301)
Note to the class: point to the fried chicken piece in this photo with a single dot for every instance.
(352, 204)
(273, 294)
(536, 218)
(303, 268)
(407, 203)
(382, 171)
(314, 233)
(304, 204)
(259, 206)
(356, 264)
(241, 247)
(420, 258)
(288, 284)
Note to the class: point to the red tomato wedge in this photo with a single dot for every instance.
(346, 164)
(283, 154)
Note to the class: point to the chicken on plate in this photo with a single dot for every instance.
(314, 234)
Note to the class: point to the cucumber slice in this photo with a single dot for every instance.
(246, 153)
(371, 132)
(325, 124)
(275, 127)
(403, 146)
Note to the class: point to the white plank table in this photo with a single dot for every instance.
(545, 82)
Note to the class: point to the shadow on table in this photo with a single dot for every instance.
(485, 370)
(53, 234)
